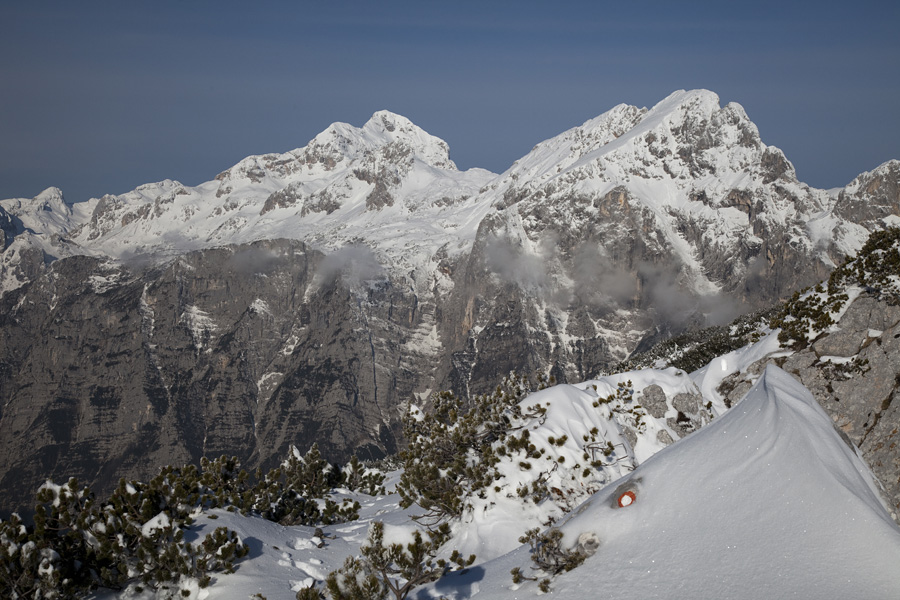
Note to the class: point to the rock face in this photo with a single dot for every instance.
(109, 371)
(872, 197)
(306, 296)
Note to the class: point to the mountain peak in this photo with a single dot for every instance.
(699, 109)
(385, 132)
(685, 136)
(387, 121)
(688, 98)
(699, 101)
(385, 138)
(51, 194)
(50, 201)
(393, 128)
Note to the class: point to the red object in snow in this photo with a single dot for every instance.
(627, 499)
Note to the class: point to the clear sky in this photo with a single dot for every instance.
(100, 97)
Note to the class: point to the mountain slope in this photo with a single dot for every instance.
(634, 226)
(750, 504)
(306, 296)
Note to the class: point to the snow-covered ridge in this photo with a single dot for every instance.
(342, 142)
(389, 184)
(747, 506)
(392, 186)
(624, 135)
(661, 143)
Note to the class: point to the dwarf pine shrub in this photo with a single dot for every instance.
(548, 556)
(393, 568)
(356, 477)
(547, 553)
(78, 544)
(876, 269)
(309, 593)
(296, 492)
(451, 453)
(138, 535)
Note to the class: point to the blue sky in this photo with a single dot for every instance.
(100, 97)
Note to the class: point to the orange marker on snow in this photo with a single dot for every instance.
(627, 498)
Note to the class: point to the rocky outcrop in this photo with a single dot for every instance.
(7, 229)
(872, 197)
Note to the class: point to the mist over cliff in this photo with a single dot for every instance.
(307, 296)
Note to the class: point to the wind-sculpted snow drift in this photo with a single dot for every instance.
(306, 296)
(765, 502)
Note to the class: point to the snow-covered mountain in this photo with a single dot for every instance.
(684, 164)
(388, 184)
(698, 176)
(304, 296)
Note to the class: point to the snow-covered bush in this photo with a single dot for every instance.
(876, 268)
(452, 453)
(548, 556)
(309, 593)
(223, 482)
(806, 315)
(393, 561)
(310, 475)
(137, 536)
(296, 492)
(78, 544)
(357, 477)
(539, 456)
(30, 567)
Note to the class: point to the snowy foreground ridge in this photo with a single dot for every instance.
(767, 501)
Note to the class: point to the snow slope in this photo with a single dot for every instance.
(766, 501)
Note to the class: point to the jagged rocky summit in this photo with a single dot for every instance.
(307, 296)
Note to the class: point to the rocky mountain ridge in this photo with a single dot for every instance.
(306, 296)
